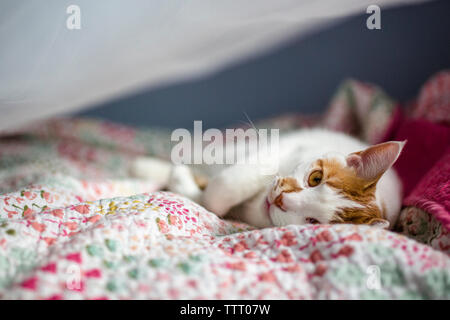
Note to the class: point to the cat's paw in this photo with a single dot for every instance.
(151, 168)
(182, 181)
(232, 187)
(219, 197)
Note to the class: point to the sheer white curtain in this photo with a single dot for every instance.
(126, 45)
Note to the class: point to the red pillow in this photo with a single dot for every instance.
(427, 143)
(424, 164)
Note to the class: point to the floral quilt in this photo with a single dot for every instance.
(75, 225)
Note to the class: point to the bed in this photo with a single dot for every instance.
(75, 225)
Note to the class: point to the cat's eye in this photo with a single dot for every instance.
(312, 220)
(315, 178)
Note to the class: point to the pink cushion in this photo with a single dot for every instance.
(432, 194)
(424, 165)
(427, 143)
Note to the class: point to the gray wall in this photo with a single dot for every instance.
(302, 75)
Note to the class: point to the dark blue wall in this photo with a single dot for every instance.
(414, 43)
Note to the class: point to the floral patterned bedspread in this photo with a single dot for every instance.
(75, 225)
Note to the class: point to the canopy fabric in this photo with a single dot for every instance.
(124, 46)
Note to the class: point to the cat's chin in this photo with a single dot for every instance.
(273, 214)
(280, 218)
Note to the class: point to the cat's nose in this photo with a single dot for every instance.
(282, 186)
(279, 202)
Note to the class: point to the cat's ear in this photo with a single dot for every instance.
(379, 223)
(371, 163)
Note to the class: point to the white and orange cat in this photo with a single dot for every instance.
(324, 177)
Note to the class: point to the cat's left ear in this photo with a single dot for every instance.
(379, 223)
(371, 163)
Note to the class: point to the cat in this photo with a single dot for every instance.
(324, 177)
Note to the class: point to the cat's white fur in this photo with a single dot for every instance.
(250, 194)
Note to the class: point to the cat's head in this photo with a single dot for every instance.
(333, 188)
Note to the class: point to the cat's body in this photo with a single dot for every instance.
(323, 177)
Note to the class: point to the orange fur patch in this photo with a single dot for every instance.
(289, 184)
(346, 181)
